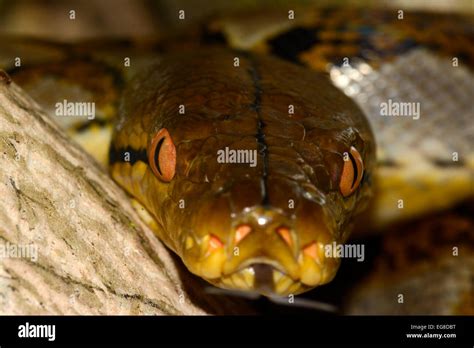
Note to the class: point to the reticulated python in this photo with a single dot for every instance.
(265, 227)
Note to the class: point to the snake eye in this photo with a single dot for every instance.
(162, 155)
(352, 172)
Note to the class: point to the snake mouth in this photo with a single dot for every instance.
(265, 277)
(261, 278)
(262, 263)
(277, 257)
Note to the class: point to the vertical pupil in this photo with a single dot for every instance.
(354, 166)
(157, 155)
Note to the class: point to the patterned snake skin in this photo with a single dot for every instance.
(425, 160)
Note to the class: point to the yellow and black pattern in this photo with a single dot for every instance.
(321, 40)
(326, 36)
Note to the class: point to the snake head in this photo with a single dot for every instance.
(273, 234)
(262, 223)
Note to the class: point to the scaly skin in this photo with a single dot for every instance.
(417, 168)
(300, 159)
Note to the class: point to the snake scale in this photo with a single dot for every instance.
(304, 97)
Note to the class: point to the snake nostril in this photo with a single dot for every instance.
(241, 232)
(285, 234)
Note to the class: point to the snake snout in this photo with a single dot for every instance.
(263, 249)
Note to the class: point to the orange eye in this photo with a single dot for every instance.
(352, 172)
(162, 155)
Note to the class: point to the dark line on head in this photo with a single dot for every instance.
(118, 155)
(256, 106)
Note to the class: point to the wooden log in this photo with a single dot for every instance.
(70, 241)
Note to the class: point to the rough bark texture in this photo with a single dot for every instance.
(94, 255)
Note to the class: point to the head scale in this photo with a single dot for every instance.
(254, 195)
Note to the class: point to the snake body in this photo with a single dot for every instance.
(264, 228)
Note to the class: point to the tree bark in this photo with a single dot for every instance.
(70, 241)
